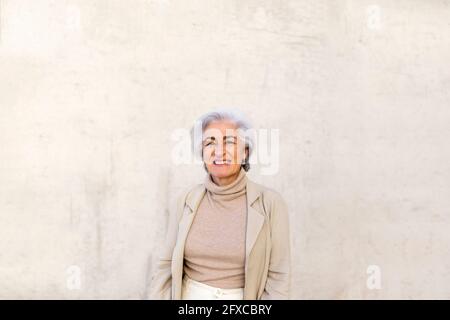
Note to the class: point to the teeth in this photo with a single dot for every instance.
(221, 162)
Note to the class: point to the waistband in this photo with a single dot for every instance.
(202, 285)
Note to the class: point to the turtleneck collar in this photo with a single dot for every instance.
(230, 191)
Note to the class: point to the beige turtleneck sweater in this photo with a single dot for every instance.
(215, 246)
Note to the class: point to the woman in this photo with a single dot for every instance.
(229, 236)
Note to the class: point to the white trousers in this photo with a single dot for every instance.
(194, 290)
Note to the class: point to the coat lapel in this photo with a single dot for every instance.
(189, 210)
(255, 221)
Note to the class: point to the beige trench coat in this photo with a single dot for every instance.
(267, 263)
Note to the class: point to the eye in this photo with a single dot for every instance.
(230, 141)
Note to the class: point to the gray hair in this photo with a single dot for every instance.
(232, 115)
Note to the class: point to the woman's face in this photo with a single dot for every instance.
(223, 150)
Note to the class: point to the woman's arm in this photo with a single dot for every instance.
(161, 281)
(278, 279)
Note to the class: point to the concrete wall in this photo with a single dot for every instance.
(91, 91)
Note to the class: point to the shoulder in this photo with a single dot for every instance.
(272, 199)
(273, 195)
(192, 190)
(189, 192)
(267, 192)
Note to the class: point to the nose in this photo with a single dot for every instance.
(219, 150)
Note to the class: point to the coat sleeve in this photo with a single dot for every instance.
(279, 274)
(160, 287)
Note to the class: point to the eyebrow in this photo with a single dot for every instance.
(224, 138)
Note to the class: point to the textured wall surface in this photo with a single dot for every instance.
(91, 92)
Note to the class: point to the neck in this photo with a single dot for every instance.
(225, 180)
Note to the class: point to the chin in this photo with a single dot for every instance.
(222, 172)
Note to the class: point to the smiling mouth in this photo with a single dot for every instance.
(221, 162)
